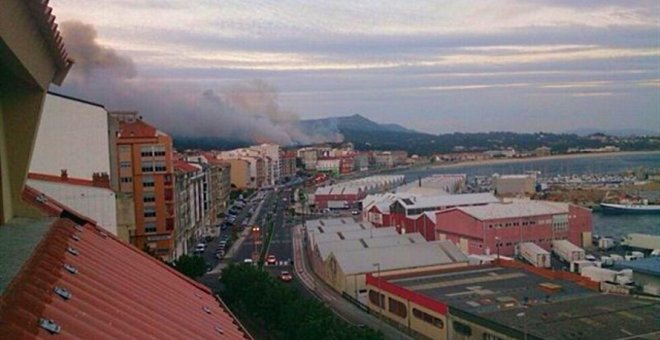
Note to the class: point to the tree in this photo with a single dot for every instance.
(190, 266)
(281, 312)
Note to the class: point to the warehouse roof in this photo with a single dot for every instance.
(649, 265)
(553, 308)
(448, 200)
(378, 241)
(353, 234)
(515, 209)
(416, 255)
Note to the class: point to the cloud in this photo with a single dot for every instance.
(247, 111)
(400, 61)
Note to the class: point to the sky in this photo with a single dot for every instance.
(434, 66)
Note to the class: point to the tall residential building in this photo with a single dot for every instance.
(146, 172)
(288, 164)
(57, 168)
(220, 188)
(272, 151)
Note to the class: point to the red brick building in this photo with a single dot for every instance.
(475, 229)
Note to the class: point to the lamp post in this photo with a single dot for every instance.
(380, 292)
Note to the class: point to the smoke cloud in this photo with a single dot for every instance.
(247, 111)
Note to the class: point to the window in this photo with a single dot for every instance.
(488, 336)
(150, 227)
(146, 151)
(124, 164)
(159, 150)
(147, 167)
(397, 308)
(148, 181)
(169, 224)
(462, 328)
(149, 212)
(160, 166)
(428, 318)
(373, 298)
(149, 197)
(127, 179)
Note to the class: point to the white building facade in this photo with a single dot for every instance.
(71, 159)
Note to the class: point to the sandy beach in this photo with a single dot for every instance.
(553, 157)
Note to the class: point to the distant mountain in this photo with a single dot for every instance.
(615, 132)
(355, 123)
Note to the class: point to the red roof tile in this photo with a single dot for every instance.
(118, 292)
(136, 128)
(185, 166)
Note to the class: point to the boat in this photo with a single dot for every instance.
(613, 208)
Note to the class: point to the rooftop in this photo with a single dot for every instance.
(414, 255)
(66, 276)
(554, 308)
(649, 265)
(515, 209)
(448, 200)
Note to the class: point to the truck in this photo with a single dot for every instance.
(534, 254)
(605, 243)
(641, 241)
(567, 251)
(579, 265)
(608, 275)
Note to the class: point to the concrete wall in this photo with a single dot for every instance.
(69, 129)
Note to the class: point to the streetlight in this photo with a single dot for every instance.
(381, 302)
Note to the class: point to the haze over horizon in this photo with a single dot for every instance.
(432, 66)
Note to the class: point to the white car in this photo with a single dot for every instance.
(247, 261)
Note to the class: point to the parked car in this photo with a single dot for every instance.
(286, 276)
(247, 261)
(355, 212)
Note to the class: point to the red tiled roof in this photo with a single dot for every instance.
(45, 20)
(184, 166)
(136, 128)
(51, 207)
(117, 292)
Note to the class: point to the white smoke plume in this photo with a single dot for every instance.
(248, 111)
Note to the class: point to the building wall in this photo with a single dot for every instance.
(239, 173)
(479, 237)
(58, 147)
(125, 216)
(420, 320)
(512, 186)
(98, 204)
(477, 331)
(130, 152)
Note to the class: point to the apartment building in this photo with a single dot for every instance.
(144, 158)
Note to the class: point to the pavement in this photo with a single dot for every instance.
(342, 307)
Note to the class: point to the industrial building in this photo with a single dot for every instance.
(508, 301)
(646, 272)
(348, 194)
(514, 185)
(477, 229)
(343, 251)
